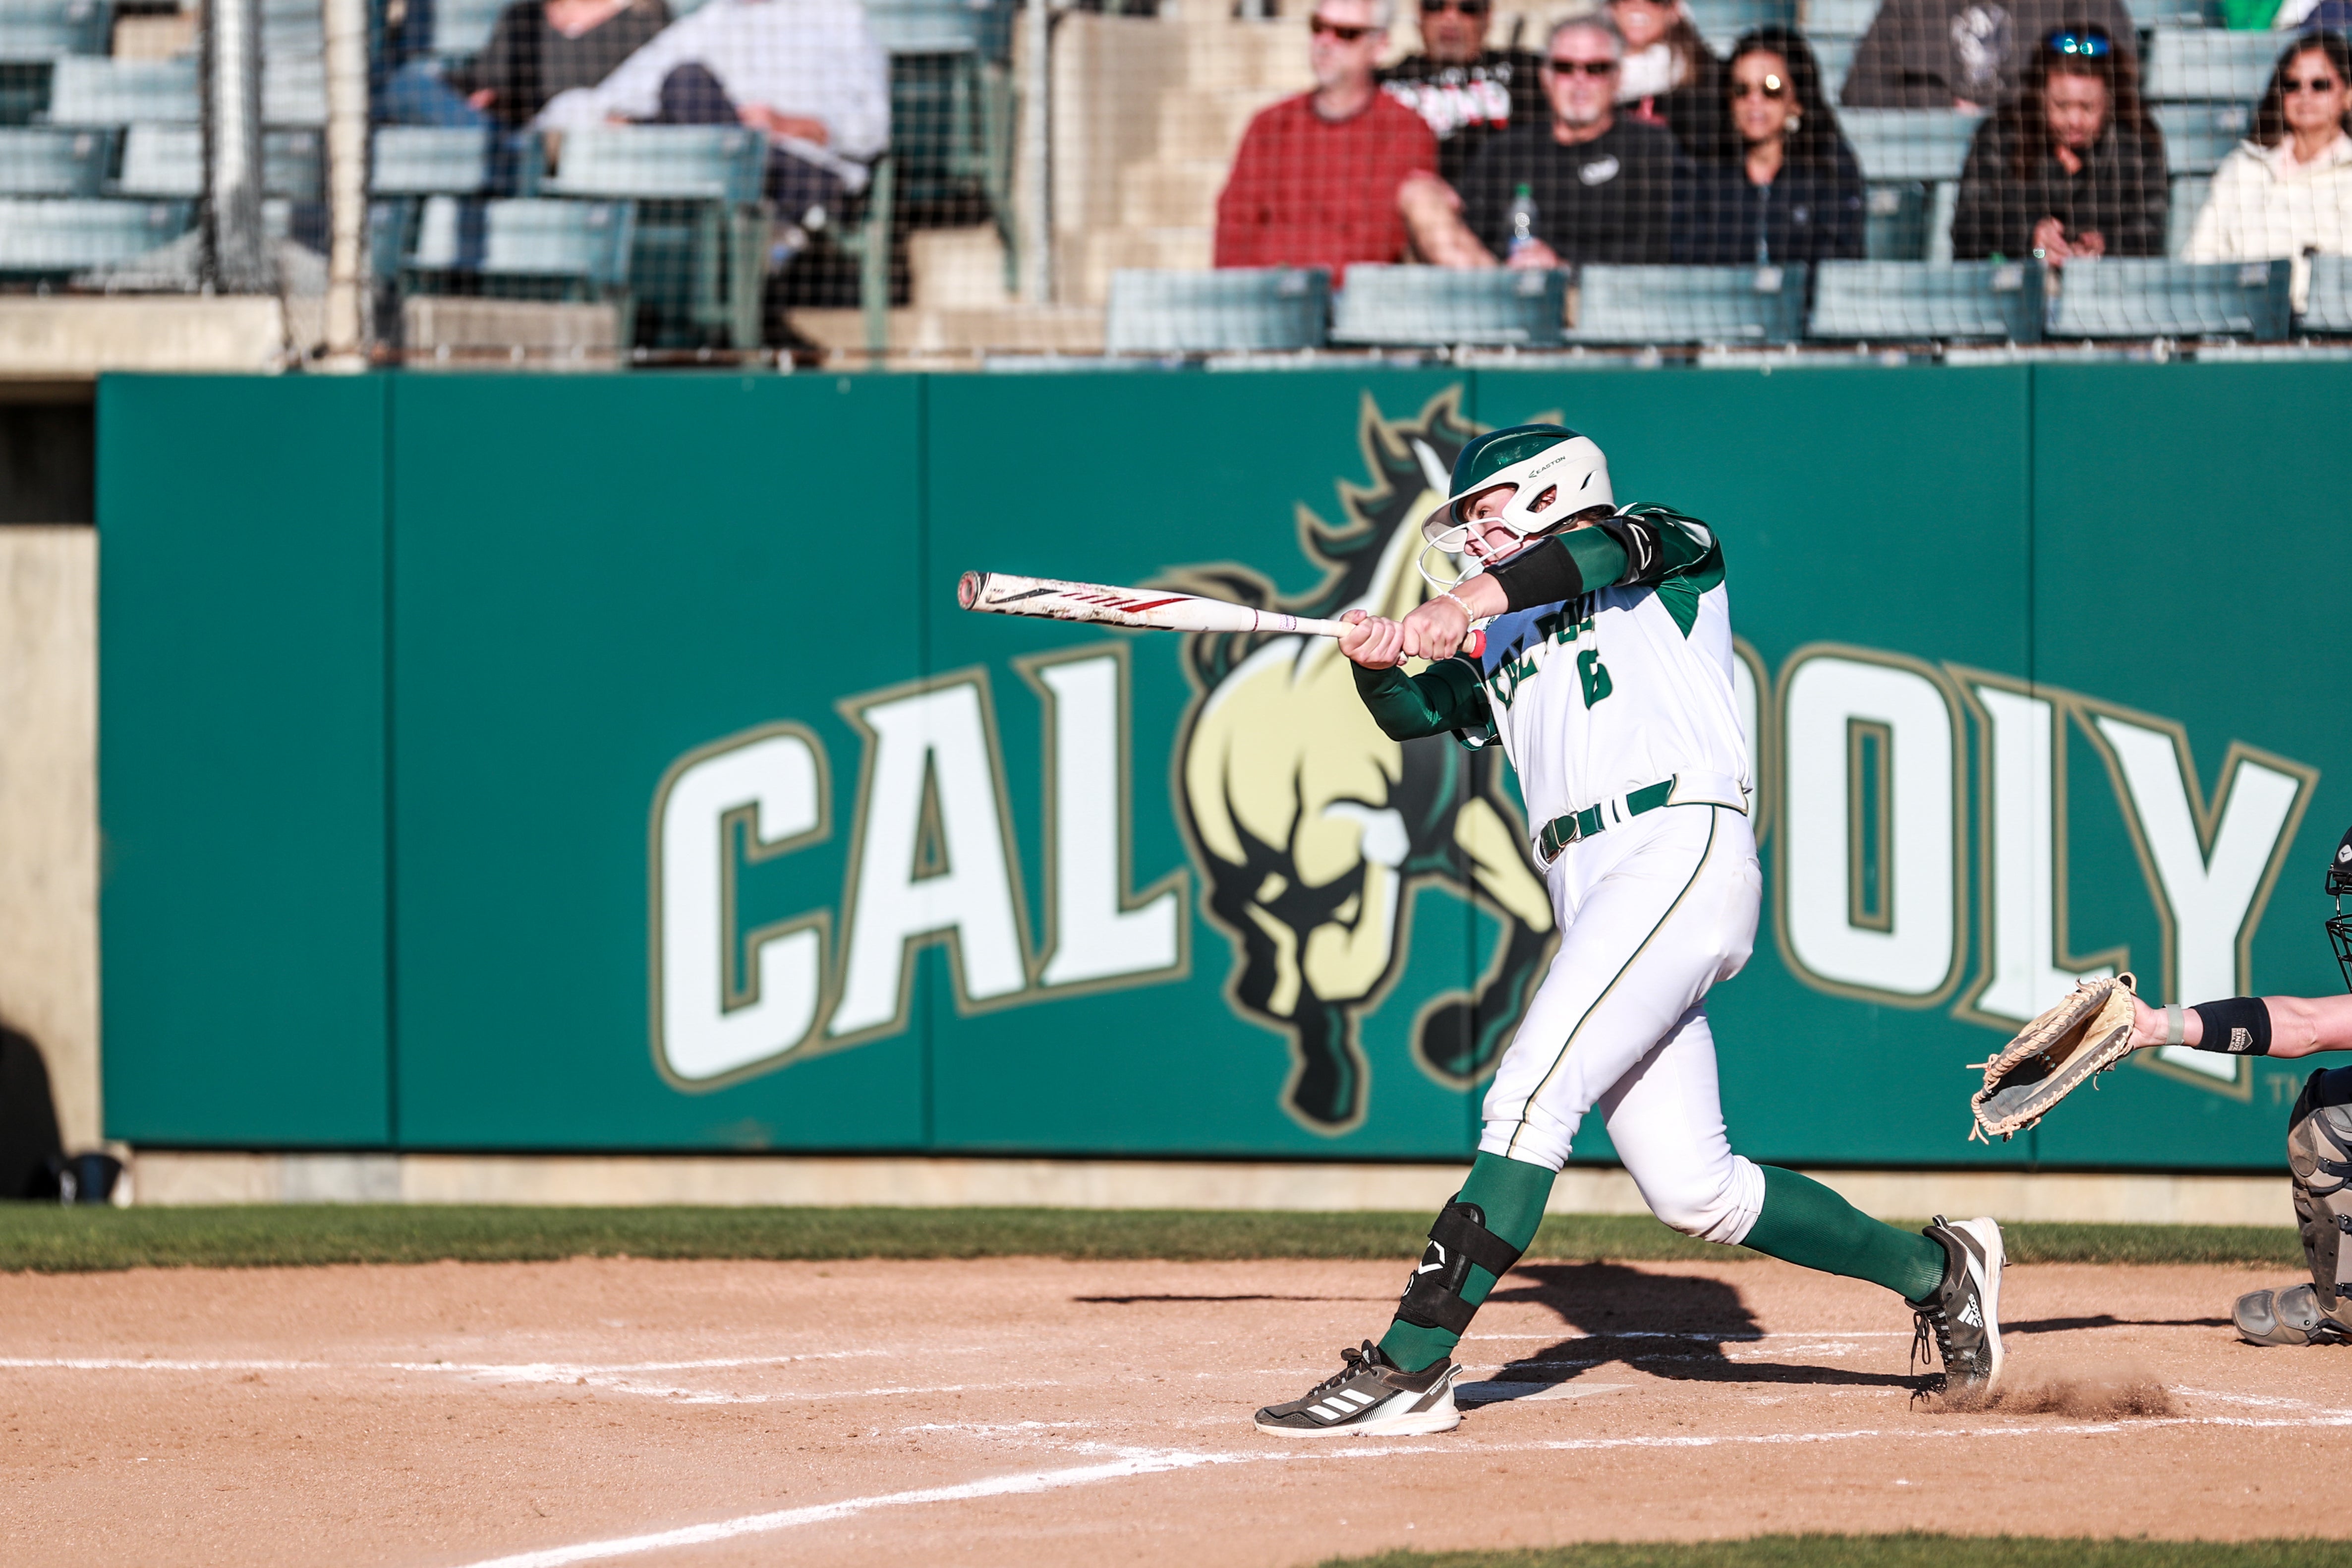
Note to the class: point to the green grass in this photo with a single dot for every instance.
(54, 1239)
(1908, 1551)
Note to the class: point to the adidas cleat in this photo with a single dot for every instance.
(1369, 1398)
(1963, 1315)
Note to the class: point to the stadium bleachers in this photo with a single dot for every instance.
(2138, 297)
(1714, 305)
(1231, 310)
(1435, 306)
(1892, 301)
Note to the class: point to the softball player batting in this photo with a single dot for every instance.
(1607, 677)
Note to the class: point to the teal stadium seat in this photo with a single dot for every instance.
(2148, 14)
(1838, 18)
(1910, 301)
(53, 160)
(123, 92)
(1835, 57)
(1911, 160)
(1711, 305)
(429, 161)
(1729, 19)
(2129, 297)
(33, 30)
(169, 161)
(50, 239)
(699, 256)
(1232, 310)
(2329, 307)
(2197, 136)
(2187, 199)
(461, 28)
(581, 248)
(1439, 307)
(2209, 65)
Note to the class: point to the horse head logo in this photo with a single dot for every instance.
(1313, 829)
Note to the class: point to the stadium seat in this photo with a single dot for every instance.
(290, 26)
(699, 252)
(49, 161)
(2209, 65)
(1898, 302)
(1729, 19)
(1437, 307)
(34, 30)
(2197, 136)
(123, 92)
(1911, 159)
(2128, 297)
(429, 161)
(928, 26)
(662, 162)
(1838, 18)
(169, 161)
(1228, 310)
(2329, 308)
(582, 247)
(48, 237)
(2149, 13)
(1688, 305)
(460, 27)
(293, 90)
(2187, 200)
(1835, 57)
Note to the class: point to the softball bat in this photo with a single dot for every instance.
(1002, 593)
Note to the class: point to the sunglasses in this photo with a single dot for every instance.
(1322, 29)
(2091, 42)
(1770, 86)
(2315, 84)
(1467, 7)
(1586, 68)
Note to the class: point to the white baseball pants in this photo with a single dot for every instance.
(1651, 914)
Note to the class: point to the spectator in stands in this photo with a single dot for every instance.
(1792, 192)
(806, 72)
(1669, 76)
(1965, 54)
(2074, 168)
(1589, 186)
(1316, 181)
(2287, 189)
(542, 48)
(1466, 91)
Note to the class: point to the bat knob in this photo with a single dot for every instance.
(968, 587)
(1475, 645)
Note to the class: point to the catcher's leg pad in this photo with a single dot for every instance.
(2289, 1317)
(1432, 1297)
(2319, 1157)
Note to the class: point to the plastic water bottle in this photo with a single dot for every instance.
(1523, 219)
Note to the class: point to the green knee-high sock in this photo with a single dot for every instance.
(1804, 1222)
(1510, 1193)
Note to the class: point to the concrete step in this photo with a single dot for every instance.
(1165, 193)
(1208, 123)
(956, 268)
(1093, 257)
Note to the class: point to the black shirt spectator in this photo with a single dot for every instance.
(1789, 190)
(1466, 102)
(2074, 168)
(1608, 199)
(1946, 54)
(537, 50)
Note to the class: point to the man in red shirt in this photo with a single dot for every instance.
(1315, 183)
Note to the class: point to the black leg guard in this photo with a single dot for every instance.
(1459, 1239)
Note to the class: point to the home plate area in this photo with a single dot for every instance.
(1021, 1411)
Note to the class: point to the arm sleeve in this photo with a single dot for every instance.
(1444, 697)
(1561, 568)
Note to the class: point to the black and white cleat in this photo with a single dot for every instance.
(1369, 1398)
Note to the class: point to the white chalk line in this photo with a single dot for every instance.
(1131, 1463)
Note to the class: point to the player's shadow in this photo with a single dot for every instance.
(2108, 1320)
(1668, 1325)
(1138, 1300)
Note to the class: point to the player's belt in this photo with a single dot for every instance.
(1694, 790)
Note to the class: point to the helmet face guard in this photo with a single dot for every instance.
(1551, 473)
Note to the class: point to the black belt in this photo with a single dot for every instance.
(1562, 831)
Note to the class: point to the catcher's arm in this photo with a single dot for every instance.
(2299, 1026)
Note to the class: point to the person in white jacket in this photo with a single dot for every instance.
(2287, 189)
(807, 72)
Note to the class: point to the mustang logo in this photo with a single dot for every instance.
(1313, 828)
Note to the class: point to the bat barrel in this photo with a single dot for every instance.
(969, 587)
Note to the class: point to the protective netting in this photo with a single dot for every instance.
(591, 181)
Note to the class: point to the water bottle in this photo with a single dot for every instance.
(1523, 219)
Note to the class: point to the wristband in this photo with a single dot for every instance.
(1449, 594)
(2240, 1026)
(2176, 1025)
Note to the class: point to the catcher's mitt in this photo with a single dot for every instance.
(2074, 1042)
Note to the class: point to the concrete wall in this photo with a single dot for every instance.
(48, 809)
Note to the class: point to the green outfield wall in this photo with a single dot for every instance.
(603, 763)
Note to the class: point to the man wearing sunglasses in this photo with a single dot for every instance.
(1601, 185)
(1466, 91)
(1315, 182)
(1965, 54)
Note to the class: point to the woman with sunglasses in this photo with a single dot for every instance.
(1465, 90)
(1668, 75)
(2286, 190)
(2074, 168)
(1787, 189)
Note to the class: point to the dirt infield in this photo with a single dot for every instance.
(1023, 1411)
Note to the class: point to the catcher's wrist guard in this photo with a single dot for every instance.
(2087, 1034)
(1432, 1297)
(2240, 1026)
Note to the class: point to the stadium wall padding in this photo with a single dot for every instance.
(600, 762)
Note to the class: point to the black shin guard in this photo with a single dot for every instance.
(1459, 1239)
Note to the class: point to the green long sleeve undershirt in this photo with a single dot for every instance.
(1444, 697)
